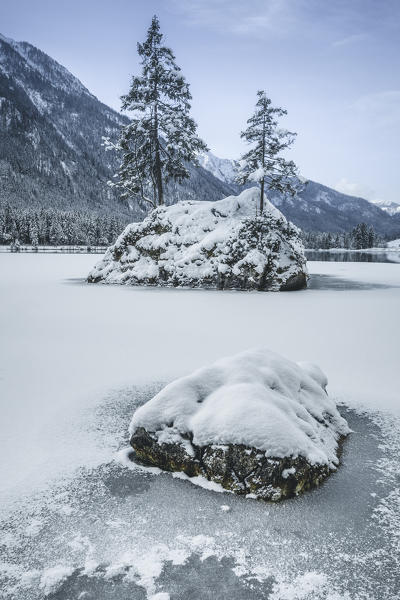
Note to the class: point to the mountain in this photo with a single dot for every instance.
(222, 168)
(51, 130)
(318, 207)
(392, 208)
(51, 155)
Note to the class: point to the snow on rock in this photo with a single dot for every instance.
(254, 423)
(221, 244)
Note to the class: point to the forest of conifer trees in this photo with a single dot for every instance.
(46, 226)
(50, 227)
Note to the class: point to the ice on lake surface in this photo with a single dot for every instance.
(118, 532)
(76, 360)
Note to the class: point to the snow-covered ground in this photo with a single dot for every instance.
(77, 359)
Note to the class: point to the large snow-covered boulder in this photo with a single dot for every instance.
(255, 423)
(222, 245)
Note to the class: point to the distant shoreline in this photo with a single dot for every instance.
(25, 248)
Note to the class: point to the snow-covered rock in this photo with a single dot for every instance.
(221, 244)
(255, 423)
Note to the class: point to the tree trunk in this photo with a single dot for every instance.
(159, 183)
(262, 198)
(263, 165)
(157, 163)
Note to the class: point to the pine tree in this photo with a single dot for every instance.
(371, 237)
(360, 235)
(56, 234)
(161, 136)
(262, 163)
(91, 231)
(33, 233)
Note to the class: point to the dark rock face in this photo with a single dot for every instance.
(297, 282)
(237, 468)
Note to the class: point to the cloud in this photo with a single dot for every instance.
(355, 189)
(241, 18)
(355, 38)
(291, 17)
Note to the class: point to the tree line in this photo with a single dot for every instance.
(46, 226)
(49, 227)
(361, 237)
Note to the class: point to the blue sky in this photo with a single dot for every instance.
(335, 66)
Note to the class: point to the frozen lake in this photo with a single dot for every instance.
(76, 359)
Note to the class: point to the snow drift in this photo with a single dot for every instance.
(223, 245)
(255, 423)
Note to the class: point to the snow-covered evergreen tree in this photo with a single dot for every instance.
(33, 233)
(161, 137)
(371, 237)
(56, 233)
(262, 163)
(361, 236)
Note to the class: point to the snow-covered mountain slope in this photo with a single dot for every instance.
(222, 168)
(320, 208)
(37, 61)
(51, 129)
(392, 208)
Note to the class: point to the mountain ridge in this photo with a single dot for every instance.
(319, 207)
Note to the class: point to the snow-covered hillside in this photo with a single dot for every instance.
(222, 168)
(51, 129)
(221, 244)
(38, 62)
(392, 208)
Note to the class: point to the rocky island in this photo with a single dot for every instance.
(222, 245)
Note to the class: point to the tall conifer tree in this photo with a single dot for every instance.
(161, 137)
(262, 163)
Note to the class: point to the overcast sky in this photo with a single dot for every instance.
(335, 66)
